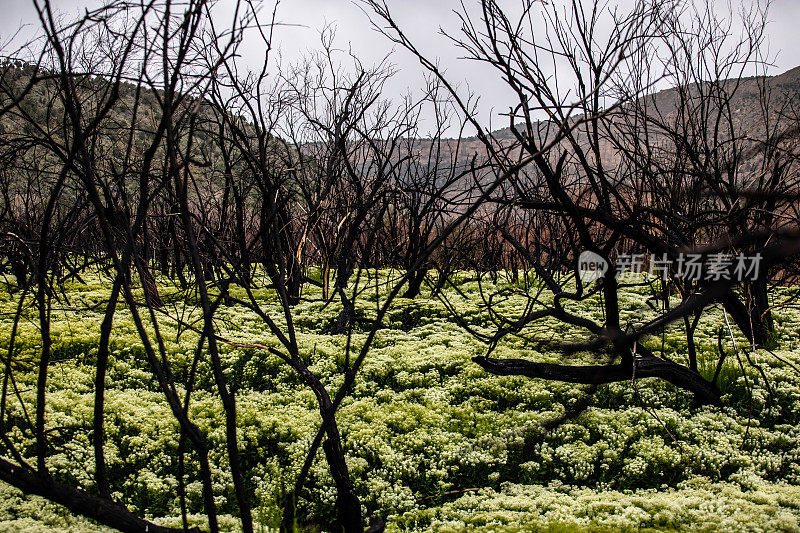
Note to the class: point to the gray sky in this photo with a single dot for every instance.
(421, 19)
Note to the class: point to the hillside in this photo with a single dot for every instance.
(746, 110)
(745, 105)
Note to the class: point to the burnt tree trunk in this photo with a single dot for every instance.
(79, 502)
(642, 367)
(747, 320)
(348, 506)
(415, 283)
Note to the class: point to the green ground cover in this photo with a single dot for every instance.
(433, 442)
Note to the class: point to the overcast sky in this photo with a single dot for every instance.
(422, 20)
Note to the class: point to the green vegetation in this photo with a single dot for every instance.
(432, 441)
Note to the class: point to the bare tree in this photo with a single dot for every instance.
(88, 66)
(597, 188)
(329, 158)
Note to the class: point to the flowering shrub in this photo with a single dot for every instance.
(696, 505)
